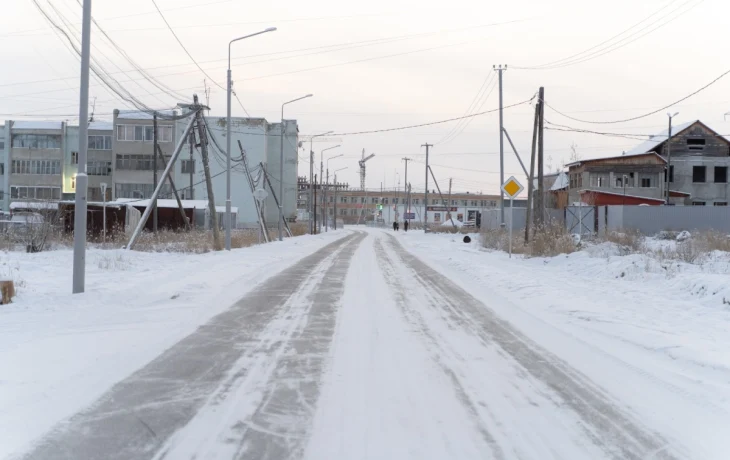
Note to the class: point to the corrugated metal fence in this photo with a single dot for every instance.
(649, 220)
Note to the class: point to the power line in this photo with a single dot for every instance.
(433, 122)
(450, 135)
(587, 55)
(183, 46)
(646, 114)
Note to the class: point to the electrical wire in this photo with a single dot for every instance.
(450, 135)
(608, 122)
(183, 46)
(468, 121)
(590, 54)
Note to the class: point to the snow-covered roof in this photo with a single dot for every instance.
(139, 115)
(561, 182)
(657, 139)
(37, 124)
(169, 203)
(576, 163)
(34, 205)
(603, 192)
(101, 125)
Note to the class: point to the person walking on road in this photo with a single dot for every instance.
(405, 225)
(395, 225)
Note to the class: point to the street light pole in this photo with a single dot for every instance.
(82, 182)
(281, 167)
(334, 220)
(321, 170)
(327, 186)
(669, 151)
(228, 136)
(310, 207)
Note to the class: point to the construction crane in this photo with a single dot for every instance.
(362, 168)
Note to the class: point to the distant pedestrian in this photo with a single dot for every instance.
(405, 225)
(395, 226)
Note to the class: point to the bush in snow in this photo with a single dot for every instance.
(628, 241)
(548, 240)
(684, 235)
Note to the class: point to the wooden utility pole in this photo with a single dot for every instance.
(174, 190)
(531, 178)
(540, 212)
(449, 203)
(276, 201)
(407, 204)
(440, 194)
(154, 170)
(425, 198)
(191, 168)
(208, 181)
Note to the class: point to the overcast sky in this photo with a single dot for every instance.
(419, 63)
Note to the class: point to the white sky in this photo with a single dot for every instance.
(420, 87)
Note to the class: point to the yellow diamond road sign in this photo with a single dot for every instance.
(512, 188)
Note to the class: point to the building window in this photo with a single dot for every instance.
(187, 167)
(624, 180)
(353, 212)
(696, 144)
(353, 199)
(671, 174)
(647, 181)
(35, 193)
(100, 142)
(698, 203)
(395, 200)
(330, 199)
(74, 158)
(415, 201)
(343, 212)
(2, 144)
(140, 191)
(73, 183)
(385, 201)
(36, 167)
(343, 199)
(36, 141)
(720, 203)
(99, 168)
(699, 174)
(437, 217)
(363, 200)
(374, 200)
(135, 162)
(474, 202)
(141, 133)
(2, 169)
(453, 202)
(721, 174)
(463, 202)
(599, 179)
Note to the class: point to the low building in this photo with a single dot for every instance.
(625, 179)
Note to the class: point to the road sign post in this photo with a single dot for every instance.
(511, 188)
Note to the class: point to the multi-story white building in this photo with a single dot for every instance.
(39, 160)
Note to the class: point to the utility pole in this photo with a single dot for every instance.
(449, 202)
(174, 190)
(82, 180)
(425, 198)
(206, 170)
(154, 170)
(531, 178)
(190, 169)
(501, 69)
(669, 152)
(540, 213)
(315, 203)
(311, 189)
(334, 206)
(407, 204)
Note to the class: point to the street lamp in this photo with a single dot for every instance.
(326, 184)
(321, 173)
(334, 220)
(311, 181)
(281, 167)
(228, 137)
(669, 151)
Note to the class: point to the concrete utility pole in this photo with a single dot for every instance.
(310, 206)
(501, 69)
(82, 180)
(407, 203)
(190, 166)
(669, 152)
(154, 170)
(425, 198)
(449, 203)
(531, 178)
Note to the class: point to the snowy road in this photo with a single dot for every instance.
(358, 351)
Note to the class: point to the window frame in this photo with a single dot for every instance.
(715, 171)
(704, 174)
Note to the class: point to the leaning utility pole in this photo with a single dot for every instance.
(425, 198)
(208, 181)
(531, 178)
(501, 69)
(154, 170)
(174, 189)
(540, 214)
(441, 194)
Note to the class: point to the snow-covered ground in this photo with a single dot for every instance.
(59, 352)
(655, 334)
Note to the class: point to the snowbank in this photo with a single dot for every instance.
(59, 352)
